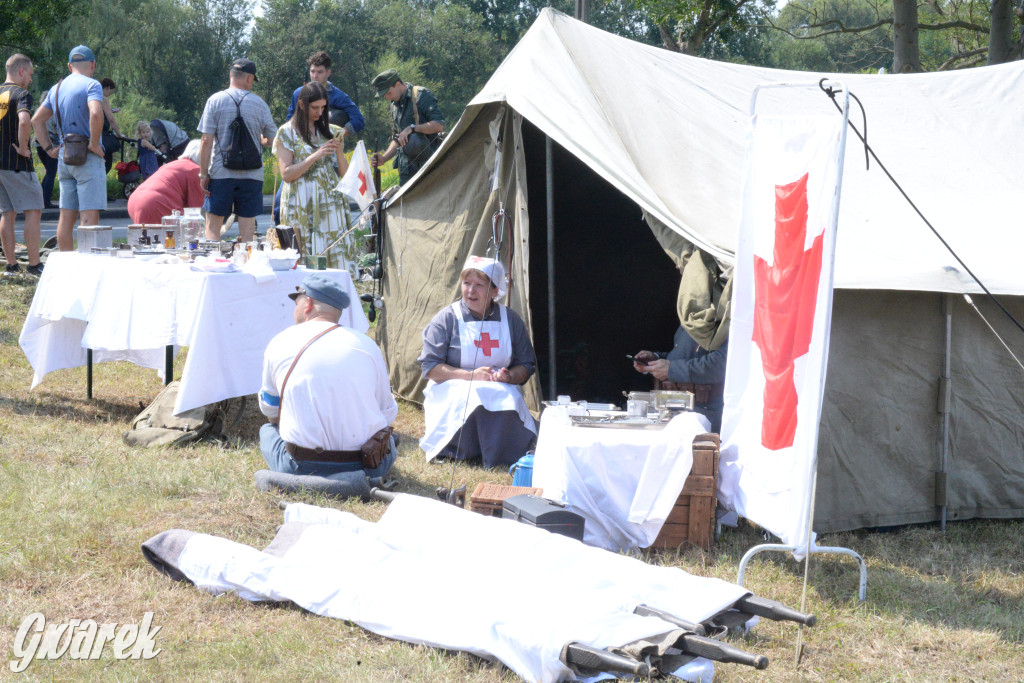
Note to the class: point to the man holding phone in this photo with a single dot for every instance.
(697, 360)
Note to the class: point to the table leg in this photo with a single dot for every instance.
(169, 364)
(88, 374)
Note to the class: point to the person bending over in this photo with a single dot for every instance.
(173, 186)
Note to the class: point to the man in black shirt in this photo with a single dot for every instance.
(19, 187)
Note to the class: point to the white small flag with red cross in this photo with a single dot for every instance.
(357, 182)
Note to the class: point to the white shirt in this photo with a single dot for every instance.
(337, 396)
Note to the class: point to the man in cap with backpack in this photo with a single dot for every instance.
(234, 125)
(416, 123)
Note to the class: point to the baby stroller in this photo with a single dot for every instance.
(129, 173)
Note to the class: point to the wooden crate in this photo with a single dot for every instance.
(487, 498)
(692, 520)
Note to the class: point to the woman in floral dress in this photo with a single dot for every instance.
(307, 149)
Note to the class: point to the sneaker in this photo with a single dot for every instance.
(36, 270)
(11, 269)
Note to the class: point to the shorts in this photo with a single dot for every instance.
(20, 191)
(241, 196)
(83, 188)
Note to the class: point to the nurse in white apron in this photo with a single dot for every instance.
(476, 353)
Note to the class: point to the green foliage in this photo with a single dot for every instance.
(823, 35)
(134, 108)
(24, 26)
(445, 48)
(174, 52)
(704, 27)
(846, 52)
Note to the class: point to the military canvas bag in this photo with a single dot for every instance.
(157, 425)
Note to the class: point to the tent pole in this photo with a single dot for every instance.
(550, 191)
(945, 391)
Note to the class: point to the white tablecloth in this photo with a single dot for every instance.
(624, 482)
(130, 309)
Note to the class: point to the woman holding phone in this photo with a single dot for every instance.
(309, 154)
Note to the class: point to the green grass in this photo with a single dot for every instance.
(75, 503)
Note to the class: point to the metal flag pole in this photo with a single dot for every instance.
(810, 547)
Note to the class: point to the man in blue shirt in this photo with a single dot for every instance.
(342, 110)
(79, 109)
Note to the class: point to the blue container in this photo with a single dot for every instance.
(522, 471)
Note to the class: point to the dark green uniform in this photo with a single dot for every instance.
(403, 116)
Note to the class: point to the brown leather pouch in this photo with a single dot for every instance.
(376, 448)
(76, 149)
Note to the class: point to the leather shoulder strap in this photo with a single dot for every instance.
(56, 103)
(280, 406)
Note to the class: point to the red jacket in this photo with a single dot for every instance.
(174, 186)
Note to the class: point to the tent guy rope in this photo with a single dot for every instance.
(831, 92)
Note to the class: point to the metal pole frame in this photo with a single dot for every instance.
(810, 548)
(550, 198)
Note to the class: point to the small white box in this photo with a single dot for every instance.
(90, 236)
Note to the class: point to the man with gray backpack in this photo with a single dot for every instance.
(235, 124)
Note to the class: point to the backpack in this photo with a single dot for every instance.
(157, 425)
(241, 153)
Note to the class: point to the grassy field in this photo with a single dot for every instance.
(75, 503)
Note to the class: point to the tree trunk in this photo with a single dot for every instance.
(907, 53)
(667, 39)
(1000, 34)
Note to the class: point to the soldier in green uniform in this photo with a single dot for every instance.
(416, 122)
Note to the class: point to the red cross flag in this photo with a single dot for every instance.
(781, 312)
(357, 182)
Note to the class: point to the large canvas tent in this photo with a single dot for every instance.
(647, 147)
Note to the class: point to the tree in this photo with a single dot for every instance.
(689, 26)
(171, 53)
(812, 35)
(24, 26)
(453, 51)
(936, 35)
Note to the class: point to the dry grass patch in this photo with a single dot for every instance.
(75, 503)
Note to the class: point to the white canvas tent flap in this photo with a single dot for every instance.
(668, 130)
(664, 133)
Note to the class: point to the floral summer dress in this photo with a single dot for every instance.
(313, 207)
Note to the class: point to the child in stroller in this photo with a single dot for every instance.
(148, 152)
(131, 173)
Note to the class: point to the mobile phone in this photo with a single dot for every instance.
(634, 359)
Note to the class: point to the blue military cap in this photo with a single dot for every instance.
(322, 288)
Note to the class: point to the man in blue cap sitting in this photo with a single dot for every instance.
(325, 390)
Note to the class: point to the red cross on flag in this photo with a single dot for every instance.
(781, 313)
(357, 182)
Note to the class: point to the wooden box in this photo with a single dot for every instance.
(487, 498)
(692, 520)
